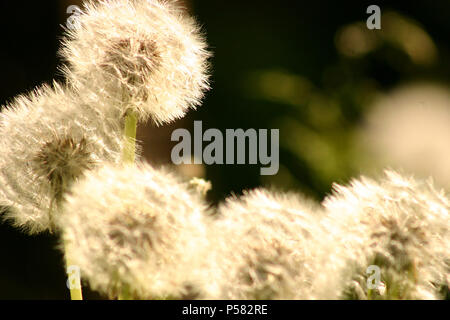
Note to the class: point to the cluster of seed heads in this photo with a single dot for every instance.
(145, 56)
(144, 233)
(160, 239)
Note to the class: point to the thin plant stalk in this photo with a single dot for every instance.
(130, 137)
(72, 271)
(74, 281)
(73, 274)
(125, 294)
(128, 156)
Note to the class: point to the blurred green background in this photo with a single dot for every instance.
(311, 69)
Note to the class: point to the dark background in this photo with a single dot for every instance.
(273, 60)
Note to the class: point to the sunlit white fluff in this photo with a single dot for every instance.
(144, 55)
(136, 229)
(48, 139)
(271, 246)
(399, 224)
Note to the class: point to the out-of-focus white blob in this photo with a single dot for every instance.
(410, 129)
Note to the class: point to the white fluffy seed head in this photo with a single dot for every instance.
(145, 55)
(48, 139)
(268, 246)
(137, 229)
(400, 225)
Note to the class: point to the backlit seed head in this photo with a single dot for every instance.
(397, 223)
(145, 55)
(268, 246)
(136, 229)
(48, 139)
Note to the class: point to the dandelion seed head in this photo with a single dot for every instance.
(268, 246)
(48, 139)
(397, 223)
(146, 55)
(135, 227)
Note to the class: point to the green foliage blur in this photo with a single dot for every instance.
(312, 69)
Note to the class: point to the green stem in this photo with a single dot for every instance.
(72, 271)
(128, 156)
(74, 281)
(129, 150)
(125, 293)
(370, 294)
